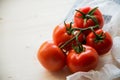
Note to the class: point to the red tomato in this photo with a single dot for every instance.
(84, 61)
(80, 22)
(60, 36)
(51, 57)
(102, 46)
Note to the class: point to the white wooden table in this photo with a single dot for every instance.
(24, 26)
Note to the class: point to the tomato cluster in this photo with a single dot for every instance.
(76, 44)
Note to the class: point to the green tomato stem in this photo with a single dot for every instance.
(77, 35)
(84, 29)
(70, 40)
(93, 18)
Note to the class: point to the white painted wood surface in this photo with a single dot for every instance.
(24, 26)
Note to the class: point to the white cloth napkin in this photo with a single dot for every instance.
(108, 72)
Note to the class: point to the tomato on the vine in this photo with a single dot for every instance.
(60, 35)
(102, 42)
(83, 61)
(87, 16)
(51, 56)
(77, 44)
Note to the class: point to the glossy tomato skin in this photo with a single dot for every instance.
(84, 61)
(102, 47)
(60, 36)
(51, 57)
(79, 22)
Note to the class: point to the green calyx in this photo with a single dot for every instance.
(89, 15)
(69, 29)
(78, 47)
(99, 37)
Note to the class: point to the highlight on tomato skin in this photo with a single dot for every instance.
(51, 57)
(103, 44)
(84, 61)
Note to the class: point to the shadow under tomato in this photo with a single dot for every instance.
(60, 75)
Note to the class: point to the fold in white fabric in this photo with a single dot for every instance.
(108, 72)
